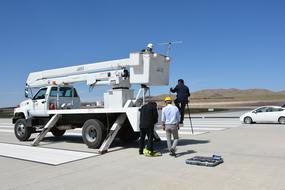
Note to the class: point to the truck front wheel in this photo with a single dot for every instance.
(22, 132)
(93, 133)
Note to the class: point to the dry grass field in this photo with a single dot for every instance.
(6, 112)
(215, 98)
(233, 98)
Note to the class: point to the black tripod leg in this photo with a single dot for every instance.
(190, 118)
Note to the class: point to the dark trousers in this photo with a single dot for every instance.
(143, 133)
(181, 108)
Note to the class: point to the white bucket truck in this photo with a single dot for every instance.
(56, 105)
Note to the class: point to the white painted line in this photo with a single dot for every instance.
(183, 133)
(77, 132)
(42, 155)
(158, 131)
(200, 128)
(6, 131)
(193, 124)
(224, 126)
(164, 138)
(204, 128)
(10, 124)
(11, 127)
(12, 131)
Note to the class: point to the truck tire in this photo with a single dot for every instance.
(22, 132)
(127, 134)
(56, 132)
(93, 133)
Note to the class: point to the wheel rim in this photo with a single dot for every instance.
(20, 129)
(282, 120)
(91, 134)
(247, 120)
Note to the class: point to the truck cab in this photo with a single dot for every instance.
(48, 98)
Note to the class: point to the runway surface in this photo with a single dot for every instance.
(253, 155)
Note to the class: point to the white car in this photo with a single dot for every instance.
(265, 114)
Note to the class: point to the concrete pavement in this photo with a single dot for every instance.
(254, 159)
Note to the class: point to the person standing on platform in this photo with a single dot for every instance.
(182, 96)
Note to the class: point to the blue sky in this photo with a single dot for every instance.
(226, 43)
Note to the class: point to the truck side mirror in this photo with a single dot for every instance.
(26, 93)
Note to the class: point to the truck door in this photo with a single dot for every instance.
(39, 103)
(63, 98)
(69, 98)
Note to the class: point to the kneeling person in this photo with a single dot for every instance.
(148, 118)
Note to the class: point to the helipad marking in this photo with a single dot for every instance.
(42, 155)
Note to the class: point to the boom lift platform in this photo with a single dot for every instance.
(56, 106)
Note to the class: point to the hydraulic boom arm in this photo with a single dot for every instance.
(139, 68)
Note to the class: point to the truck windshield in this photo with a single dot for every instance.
(41, 94)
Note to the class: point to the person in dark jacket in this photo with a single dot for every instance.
(148, 117)
(181, 98)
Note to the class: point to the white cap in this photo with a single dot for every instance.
(150, 45)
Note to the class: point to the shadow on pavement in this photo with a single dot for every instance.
(160, 146)
(179, 154)
(119, 145)
(183, 142)
(65, 138)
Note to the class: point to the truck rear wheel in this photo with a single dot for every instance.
(56, 132)
(22, 132)
(93, 133)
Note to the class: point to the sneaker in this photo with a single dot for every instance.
(172, 152)
(146, 152)
(155, 153)
(149, 153)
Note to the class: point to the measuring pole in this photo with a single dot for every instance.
(190, 118)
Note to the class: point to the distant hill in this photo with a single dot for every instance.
(233, 97)
(214, 98)
(6, 112)
(237, 94)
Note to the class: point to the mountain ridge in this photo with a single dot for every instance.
(233, 96)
